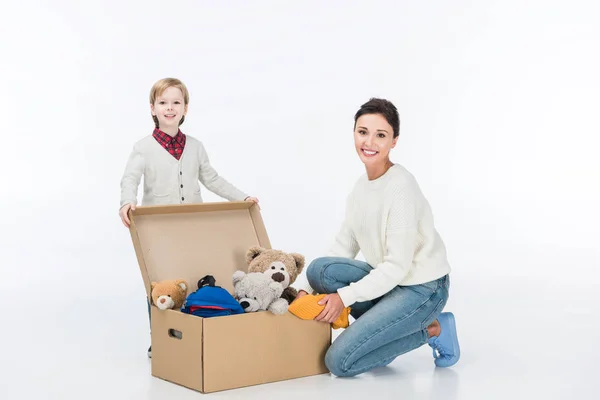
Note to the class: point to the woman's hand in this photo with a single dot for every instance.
(301, 293)
(123, 213)
(333, 308)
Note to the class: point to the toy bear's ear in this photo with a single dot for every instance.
(152, 285)
(253, 252)
(238, 276)
(299, 259)
(182, 284)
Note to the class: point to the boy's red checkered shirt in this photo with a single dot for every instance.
(174, 145)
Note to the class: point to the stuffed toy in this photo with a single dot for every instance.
(280, 266)
(169, 294)
(256, 291)
(308, 307)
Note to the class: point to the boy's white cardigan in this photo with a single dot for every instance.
(171, 181)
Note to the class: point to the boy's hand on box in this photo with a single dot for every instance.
(333, 308)
(123, 213)
(252, 199)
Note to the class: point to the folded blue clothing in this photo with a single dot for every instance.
(211, 300)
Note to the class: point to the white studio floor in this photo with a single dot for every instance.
(520, 340)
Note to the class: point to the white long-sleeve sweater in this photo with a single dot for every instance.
(171, 181)
(390, 221)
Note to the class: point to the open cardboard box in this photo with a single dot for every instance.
(218, 353)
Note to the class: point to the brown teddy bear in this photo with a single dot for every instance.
(169, 294)
(282, 267)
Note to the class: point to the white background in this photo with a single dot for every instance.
(499, 123)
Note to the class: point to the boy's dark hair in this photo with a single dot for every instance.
(383, 107)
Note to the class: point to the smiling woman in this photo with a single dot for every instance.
(376, 132)
(398, 294)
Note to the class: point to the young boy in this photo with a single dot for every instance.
(171, 162)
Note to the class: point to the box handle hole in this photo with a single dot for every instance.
(175, 334)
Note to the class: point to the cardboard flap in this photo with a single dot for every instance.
(191, 241)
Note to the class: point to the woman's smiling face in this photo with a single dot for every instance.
(373, 139)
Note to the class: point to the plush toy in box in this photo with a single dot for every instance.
(280, 266)
(258, 292)
(169, 294)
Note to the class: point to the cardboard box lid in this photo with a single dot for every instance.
(190, 241)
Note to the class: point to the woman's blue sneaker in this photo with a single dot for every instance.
(446, 349)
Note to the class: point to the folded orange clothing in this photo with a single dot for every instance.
(307, 307)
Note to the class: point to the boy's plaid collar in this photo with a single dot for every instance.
(165, 139)
(174, 145)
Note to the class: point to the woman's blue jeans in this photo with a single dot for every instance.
(386, 327)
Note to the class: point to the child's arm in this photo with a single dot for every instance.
(131, 180)
(214, 182)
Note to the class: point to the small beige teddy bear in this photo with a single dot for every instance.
(170, 294)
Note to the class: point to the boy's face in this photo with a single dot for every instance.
(169, 108)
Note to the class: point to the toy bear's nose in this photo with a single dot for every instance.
(162, 300)
(244, 304)
(278, 277)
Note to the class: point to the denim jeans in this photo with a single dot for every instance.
(385, 327)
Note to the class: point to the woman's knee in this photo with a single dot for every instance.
(323, 274)
(334, 361)
(314, 272)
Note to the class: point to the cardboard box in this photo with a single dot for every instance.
(218, 353)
